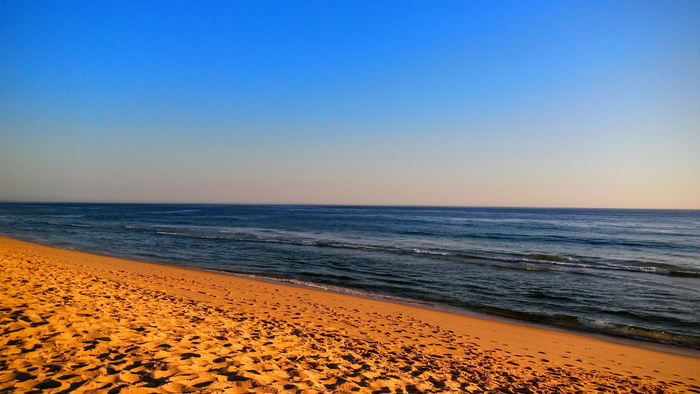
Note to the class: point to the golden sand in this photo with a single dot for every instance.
(76, 322)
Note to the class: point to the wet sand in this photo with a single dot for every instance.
(88, 323)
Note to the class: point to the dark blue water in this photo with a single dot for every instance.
(632, 273)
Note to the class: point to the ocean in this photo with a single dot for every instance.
(623, 273)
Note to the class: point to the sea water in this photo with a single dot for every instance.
(630, 273)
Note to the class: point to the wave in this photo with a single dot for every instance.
(431, 252)
(555, 262)
(684, 274)
(541, 295)
(579, 323)
(530, 262)
(71, 224)
(547, 257)
(172, 212)
(70, 216)
(324, 287)
(181, 235)
(579, 240)
(623, 265)
(631, 331)
(328, 276)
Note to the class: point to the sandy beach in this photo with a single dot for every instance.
(77, 322)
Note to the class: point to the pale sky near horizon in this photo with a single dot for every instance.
(461, 103)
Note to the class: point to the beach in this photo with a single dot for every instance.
(89, 323)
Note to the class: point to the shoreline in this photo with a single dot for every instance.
(641, 342)
(276, 329)
(612, 337)
(671, 348)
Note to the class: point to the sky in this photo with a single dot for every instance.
(457, 103)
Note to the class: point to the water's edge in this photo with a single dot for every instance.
(644, 343)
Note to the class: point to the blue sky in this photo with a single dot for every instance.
(573, 104)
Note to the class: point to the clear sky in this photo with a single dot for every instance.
(463, 103)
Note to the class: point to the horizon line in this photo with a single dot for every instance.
(335, 205)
